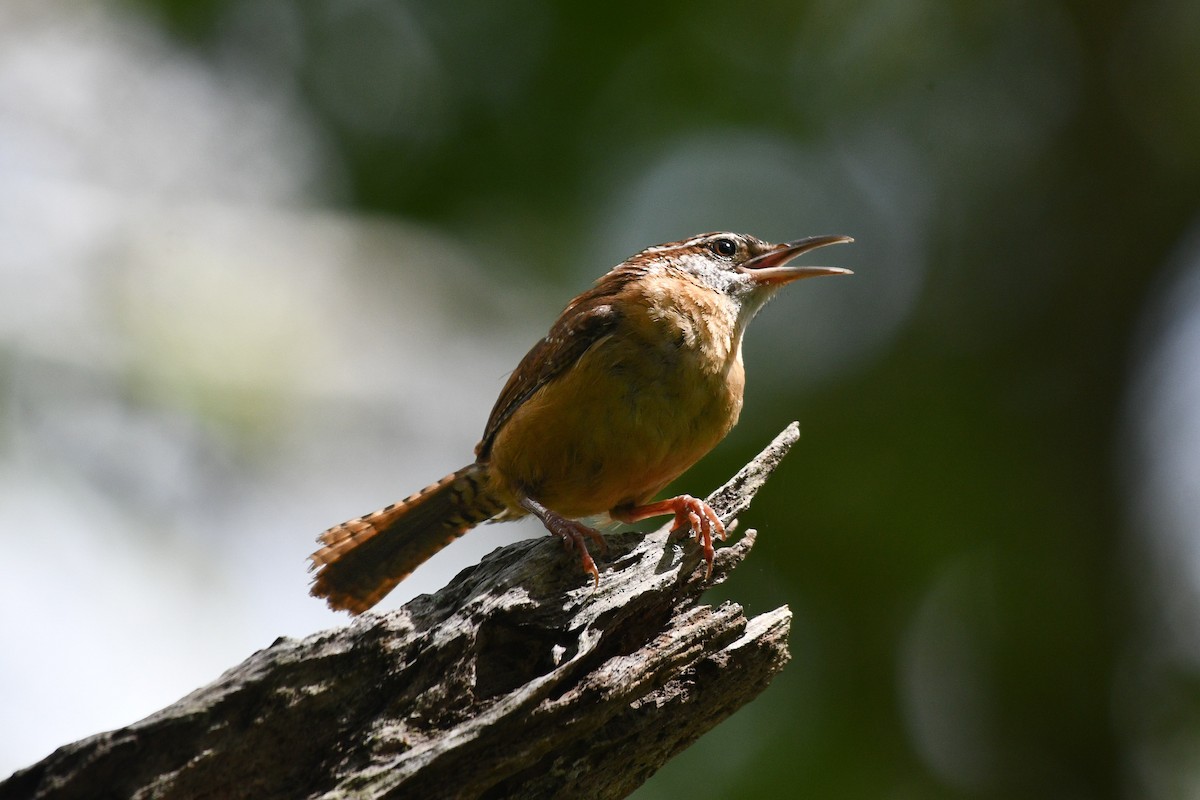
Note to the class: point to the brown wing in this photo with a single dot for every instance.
(587, 320)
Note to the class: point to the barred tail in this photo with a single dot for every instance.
(363, 559)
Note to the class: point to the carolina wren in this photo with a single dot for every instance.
(638, 378)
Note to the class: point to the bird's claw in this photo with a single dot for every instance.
(698, 516)
(575, 535)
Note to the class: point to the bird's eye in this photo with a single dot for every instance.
(724, 247)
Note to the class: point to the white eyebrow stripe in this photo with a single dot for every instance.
(658, 248)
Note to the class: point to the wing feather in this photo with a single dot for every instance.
(588, 319)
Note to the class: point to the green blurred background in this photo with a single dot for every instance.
(270, 261)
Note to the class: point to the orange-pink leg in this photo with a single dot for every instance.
(572, 532)
(690, 514)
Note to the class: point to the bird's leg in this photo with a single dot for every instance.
(572, 532)
(690, 513)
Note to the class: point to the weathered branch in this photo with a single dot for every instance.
(518, 679)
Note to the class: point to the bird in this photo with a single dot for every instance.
(639, 377)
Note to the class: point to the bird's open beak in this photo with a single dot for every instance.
(772, 266)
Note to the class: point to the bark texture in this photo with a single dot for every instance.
(518, 679)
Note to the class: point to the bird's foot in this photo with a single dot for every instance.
(691, 514)
(573, 533)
